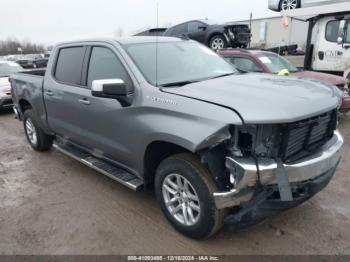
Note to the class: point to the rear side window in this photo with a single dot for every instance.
(104, 64)
(69, 65)
(194, 27)
(180, 29)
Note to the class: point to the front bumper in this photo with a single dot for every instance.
(307, 169)
(6, 102)
(267, 203)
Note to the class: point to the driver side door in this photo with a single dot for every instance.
(105, 121)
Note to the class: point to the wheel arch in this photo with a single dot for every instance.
(24, 105)
(212, 34)
(155, 153)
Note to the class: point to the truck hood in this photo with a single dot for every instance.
(260, 98)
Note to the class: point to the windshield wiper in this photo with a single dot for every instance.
(180, 83)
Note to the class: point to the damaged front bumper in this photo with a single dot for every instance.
(266, 171)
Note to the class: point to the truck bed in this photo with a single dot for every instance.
(28, 86)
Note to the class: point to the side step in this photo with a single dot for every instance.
(101, 166)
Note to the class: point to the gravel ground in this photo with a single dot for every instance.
(51, 204)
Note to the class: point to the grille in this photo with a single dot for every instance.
(302, 138)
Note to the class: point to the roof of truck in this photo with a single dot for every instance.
(129, 40)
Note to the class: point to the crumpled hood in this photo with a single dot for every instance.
(5, 85)
(261, 98)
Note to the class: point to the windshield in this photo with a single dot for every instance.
(178, 62)
(6, 69)
(276, 63)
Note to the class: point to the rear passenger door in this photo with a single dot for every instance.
(62, 92)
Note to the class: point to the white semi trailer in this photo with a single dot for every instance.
(328, 39)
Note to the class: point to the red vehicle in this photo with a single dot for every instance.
(271, 63)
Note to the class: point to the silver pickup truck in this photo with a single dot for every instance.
(217, 146)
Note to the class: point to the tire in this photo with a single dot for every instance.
(293, 4)
(197, 178)
(217, 42)
(36, 137)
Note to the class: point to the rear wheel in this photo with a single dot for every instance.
(36, 137)
(289, 4)
(184, 189)
(218, 42)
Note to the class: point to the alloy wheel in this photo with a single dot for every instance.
(181, 199)
(289, 4)
(31, 132)
(217, 44)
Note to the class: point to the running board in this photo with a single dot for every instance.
(112, 171)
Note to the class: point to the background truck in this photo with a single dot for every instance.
(218, 147)
(328, 40)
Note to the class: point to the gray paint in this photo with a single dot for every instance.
(189, 116)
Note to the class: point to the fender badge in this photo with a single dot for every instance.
(162, 100)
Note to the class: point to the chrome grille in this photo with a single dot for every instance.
(302, 138)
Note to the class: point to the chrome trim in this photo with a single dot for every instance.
(308, 168)
(18, 116)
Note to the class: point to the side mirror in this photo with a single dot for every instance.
(203, 28)
(341, 32)
(109, 88)
(340, 40)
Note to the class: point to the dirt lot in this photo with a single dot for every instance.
(50, 204)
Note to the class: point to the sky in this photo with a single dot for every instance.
(51, 21)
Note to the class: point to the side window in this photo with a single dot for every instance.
(180, 29)
(332, 30)
(193, 27)
(69, 65)
(347, 39)
(246, 64)
(104, 64)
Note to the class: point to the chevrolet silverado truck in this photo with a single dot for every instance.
(218, 147)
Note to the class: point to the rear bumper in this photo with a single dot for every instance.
(6, 102)
(326, 159)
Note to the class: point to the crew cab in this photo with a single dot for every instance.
(217, 146)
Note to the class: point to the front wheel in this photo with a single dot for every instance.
(218, 42)
(184, 189)
(36, 137)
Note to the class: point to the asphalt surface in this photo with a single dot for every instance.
(51, 204)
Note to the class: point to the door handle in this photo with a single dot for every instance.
(49, 93)
(84, 101)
